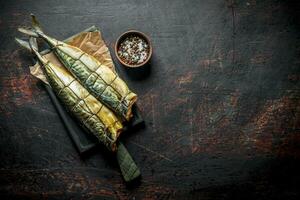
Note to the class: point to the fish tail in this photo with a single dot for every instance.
(33, 44)
(36, 30)
(30, 46)
(35, 23)
(24, 44)
(29, 31)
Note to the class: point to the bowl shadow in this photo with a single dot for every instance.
(139, 73)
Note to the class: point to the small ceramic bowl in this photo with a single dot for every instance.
(133, 33)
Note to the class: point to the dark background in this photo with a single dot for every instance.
(221, 102)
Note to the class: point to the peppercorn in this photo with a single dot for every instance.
(133, 50)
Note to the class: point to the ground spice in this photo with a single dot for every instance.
(133, 50)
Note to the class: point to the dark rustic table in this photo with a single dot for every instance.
(220, 101)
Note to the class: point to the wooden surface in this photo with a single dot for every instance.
(220, 101)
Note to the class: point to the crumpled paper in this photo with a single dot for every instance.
(89, 42)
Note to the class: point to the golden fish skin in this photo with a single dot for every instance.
(99, 79)
(87, 109)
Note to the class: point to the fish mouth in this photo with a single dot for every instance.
(130, 100)
(115, 132)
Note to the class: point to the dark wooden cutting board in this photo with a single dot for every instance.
(79, 134)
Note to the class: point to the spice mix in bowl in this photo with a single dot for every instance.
(133, 49)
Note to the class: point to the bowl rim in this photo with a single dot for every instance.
(144, 36)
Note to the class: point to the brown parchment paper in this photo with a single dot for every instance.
(89, 42)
